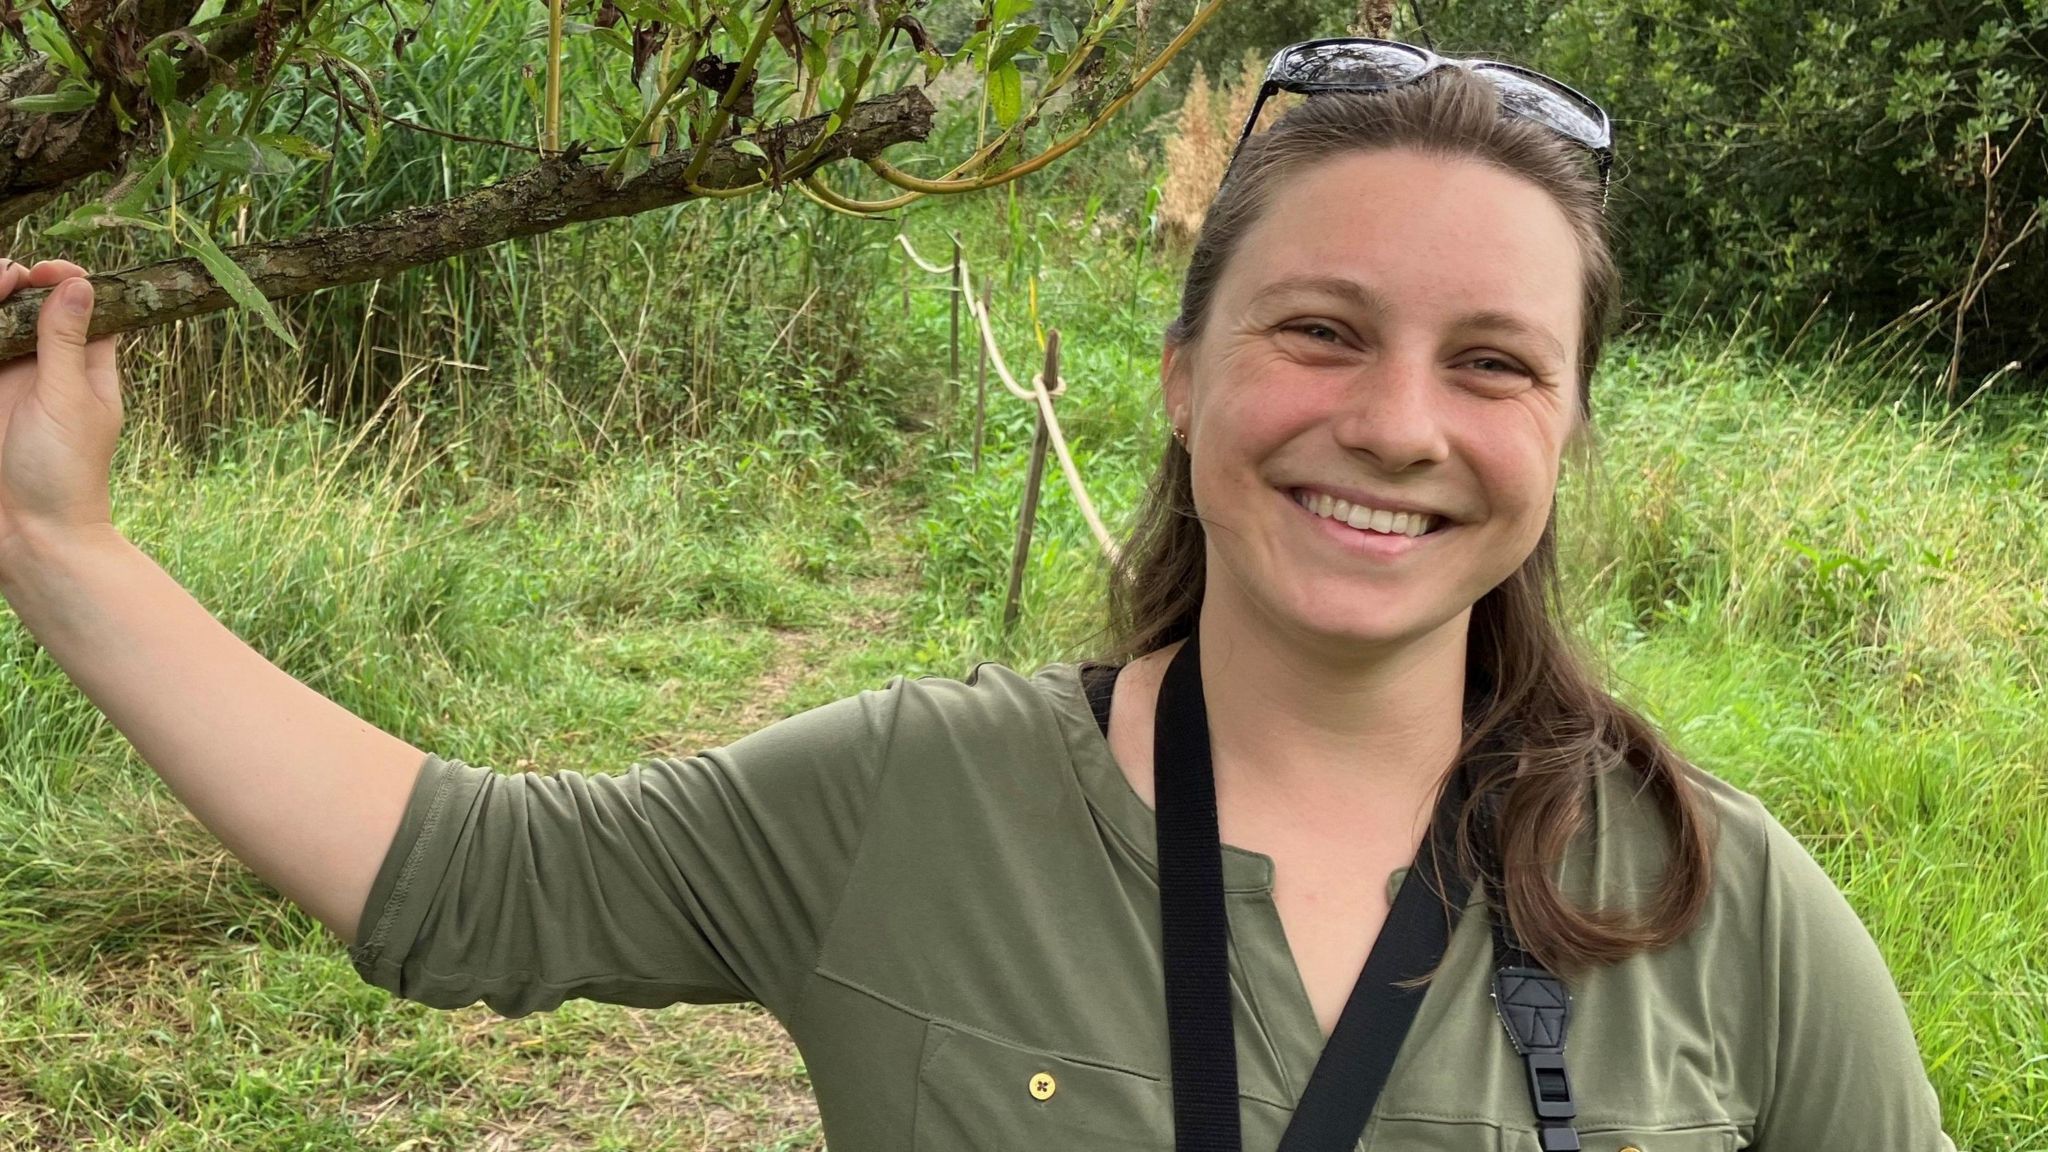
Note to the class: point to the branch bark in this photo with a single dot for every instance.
(559, 191)
(43, 153)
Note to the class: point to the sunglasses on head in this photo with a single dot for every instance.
(1363, 64)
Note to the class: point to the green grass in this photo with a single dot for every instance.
(1826, 597)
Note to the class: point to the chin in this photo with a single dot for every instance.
(1361, 618)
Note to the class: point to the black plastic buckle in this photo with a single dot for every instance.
(1550, 1087)
(1534, 1007)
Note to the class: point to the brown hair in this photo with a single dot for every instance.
(1539, 727)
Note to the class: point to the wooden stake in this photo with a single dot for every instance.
(1029, 517)
(953, 369)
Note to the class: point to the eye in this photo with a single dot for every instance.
(1315, 330)
(1497, 364)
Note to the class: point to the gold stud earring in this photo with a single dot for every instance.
(1182, 438)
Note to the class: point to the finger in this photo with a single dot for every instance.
(102, 371)
(61, 323)
(48, 272)
(10, 276)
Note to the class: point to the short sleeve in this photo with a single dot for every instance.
(1847, 1071)
(705, 880)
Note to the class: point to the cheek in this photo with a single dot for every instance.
(1261, 409)
(1518, 472)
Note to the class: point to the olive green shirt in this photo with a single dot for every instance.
(946, 891)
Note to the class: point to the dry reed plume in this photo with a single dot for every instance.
(1199, 149)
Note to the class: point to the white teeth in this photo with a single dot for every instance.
(1363, 518)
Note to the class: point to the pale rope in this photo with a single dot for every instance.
(1036, 393)
(919, 260)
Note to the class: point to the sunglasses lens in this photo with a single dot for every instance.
(1365, 63)
(1566, 114)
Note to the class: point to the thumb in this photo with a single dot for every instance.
(61, 326)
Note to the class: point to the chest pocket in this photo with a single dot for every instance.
(975, 1094)
(1715, 1139)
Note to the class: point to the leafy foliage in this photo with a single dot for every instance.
(1875, 156)
(206, 131)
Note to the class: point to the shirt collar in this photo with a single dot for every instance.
(1116, 806)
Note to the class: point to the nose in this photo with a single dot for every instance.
(1391, 411)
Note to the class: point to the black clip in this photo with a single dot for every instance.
(1535, 1009)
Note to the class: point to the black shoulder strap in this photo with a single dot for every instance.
(1535, 1008)
(1098, 683)
(1193, 922)
(1361, 1051)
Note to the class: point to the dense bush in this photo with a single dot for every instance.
(1778, 155)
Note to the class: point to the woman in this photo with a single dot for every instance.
(1335, 637)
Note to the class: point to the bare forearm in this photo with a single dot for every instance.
(302, 790)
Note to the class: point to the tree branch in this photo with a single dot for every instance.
(43, 153)
(560, 191)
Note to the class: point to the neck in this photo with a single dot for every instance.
(1317, 716)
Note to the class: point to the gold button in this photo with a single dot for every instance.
(1042, 1086)
(1630, 1148)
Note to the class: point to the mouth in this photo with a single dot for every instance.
(1366, 522)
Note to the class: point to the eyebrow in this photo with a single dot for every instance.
(1369, 299)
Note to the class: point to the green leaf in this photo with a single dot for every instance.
(934, 63)
(123, 120)
(180, 114)
(136, 200)
(297, 147)
(233, 155)
(1063, 33)
(58, 47)
(94, 217)
(233, 203)
(62, 100)
(742, 144)
(969, 46)
(229, 276)
(1006, 94)
(163, 76)
(1008, 10)
(373, 143)
(1013, 42)
(848, 74)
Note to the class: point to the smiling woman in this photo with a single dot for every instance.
(1338, 847)
(1384, 354)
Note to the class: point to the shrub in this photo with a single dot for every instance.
(1876, 158)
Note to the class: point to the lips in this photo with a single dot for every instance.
(1364, 544)
(1405, 522)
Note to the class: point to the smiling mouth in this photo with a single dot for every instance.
(1379, 522)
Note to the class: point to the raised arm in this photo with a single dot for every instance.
(302, 790)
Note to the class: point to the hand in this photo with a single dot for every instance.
(60, 413)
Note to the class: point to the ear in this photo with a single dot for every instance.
(1175, 392)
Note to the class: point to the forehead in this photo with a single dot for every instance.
(1434, 238)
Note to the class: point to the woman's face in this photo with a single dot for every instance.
(1398, 332)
